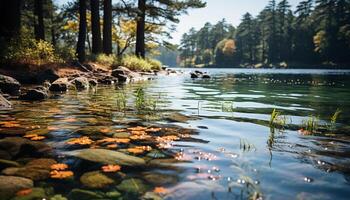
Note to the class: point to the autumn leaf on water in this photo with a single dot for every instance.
(59, 166)
(105, 130)
(160, 190)
(140, 137)
(137, 128)
(61, 174)
(30, 135)
(112, 146)
(10, 124)
(116, 140)
(24, 192)
(138, 133)
(37, 138)
(139, 149)
(82, 141)
(120, 130)
(69, 119)
(111, 168)
(153, 129)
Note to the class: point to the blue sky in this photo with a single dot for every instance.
(231, 10)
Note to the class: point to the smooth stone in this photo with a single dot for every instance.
(34, 94)
(159, 179)
(9, 185)
(151, 196)
(31, 173)
(9, 85)
(8, 163)
(79, 194)
(95, 179)
(93, 82)
(4, 103)
(60, 85)
(58, 197)
(156, 154)
(107, 157)
(133, 186)
(113, 194)
(81, 83)
(177, 117)
(121, 135)
(20, 147)
(206, 76)
(37, 193)
(194, 75)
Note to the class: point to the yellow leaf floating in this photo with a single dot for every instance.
(30, 135)
(82, 141)
(112, 146)
(59, 166)
(61, 174)
(138, 133)
(105, 130)
(140, 137)
(111, 168)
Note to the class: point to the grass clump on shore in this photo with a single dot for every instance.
(139, 64)
(106, 60)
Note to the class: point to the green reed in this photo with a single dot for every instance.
(333, 121)
(311, 124)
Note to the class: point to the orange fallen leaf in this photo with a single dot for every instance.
(138, 133)
(112, 146)
(105, 130)
(10, 124)
(69, 119)
(37, 138)
(116, 140)
(120, 130)
(30, 135)
(140, 137)
(61, 174)
(111, 168)
(153, 129)
(52, 128)
(24, 192)
(139, 149)
(160, 190)
(59, 166)
(82, 141)
(137, 128)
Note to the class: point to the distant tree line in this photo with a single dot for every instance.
(93, 27)
(318, 31)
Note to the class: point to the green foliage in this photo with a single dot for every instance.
(311, 124)
(30, 51)
(145, 104)
(138, 64)
(106, 60)
(334, 118)
(121, 101)
(245, 145)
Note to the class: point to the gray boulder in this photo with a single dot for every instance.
(35, 94)
(9, 85)
(60, 85)
(81, 83)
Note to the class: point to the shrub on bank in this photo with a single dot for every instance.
(106, 60)
(30, 51)
(138, 64)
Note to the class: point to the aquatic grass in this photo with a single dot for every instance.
(311, 124)
(121, 99)
(146, 104)
(227, 106)
(245, 145)
(333, 120)
(276, 119)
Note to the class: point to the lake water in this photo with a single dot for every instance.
(236, 154)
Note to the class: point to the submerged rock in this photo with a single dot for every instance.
(21, 147)
(9, 185)
(35, 94)
(79, 194)
(151, 196)
(159, 179)
(95, 179)
(9, 85)
(8, 163)
(4, 103)
(81, 83)
(133, 185)
(60, 85)
(107, 157)
(37, 193)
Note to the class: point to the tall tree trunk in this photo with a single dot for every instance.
(140, 29)
(82, 31)
(96, 27)
(39, 24)
(107, 27)
(10, 19)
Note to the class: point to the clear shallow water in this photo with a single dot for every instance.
(229, 110)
